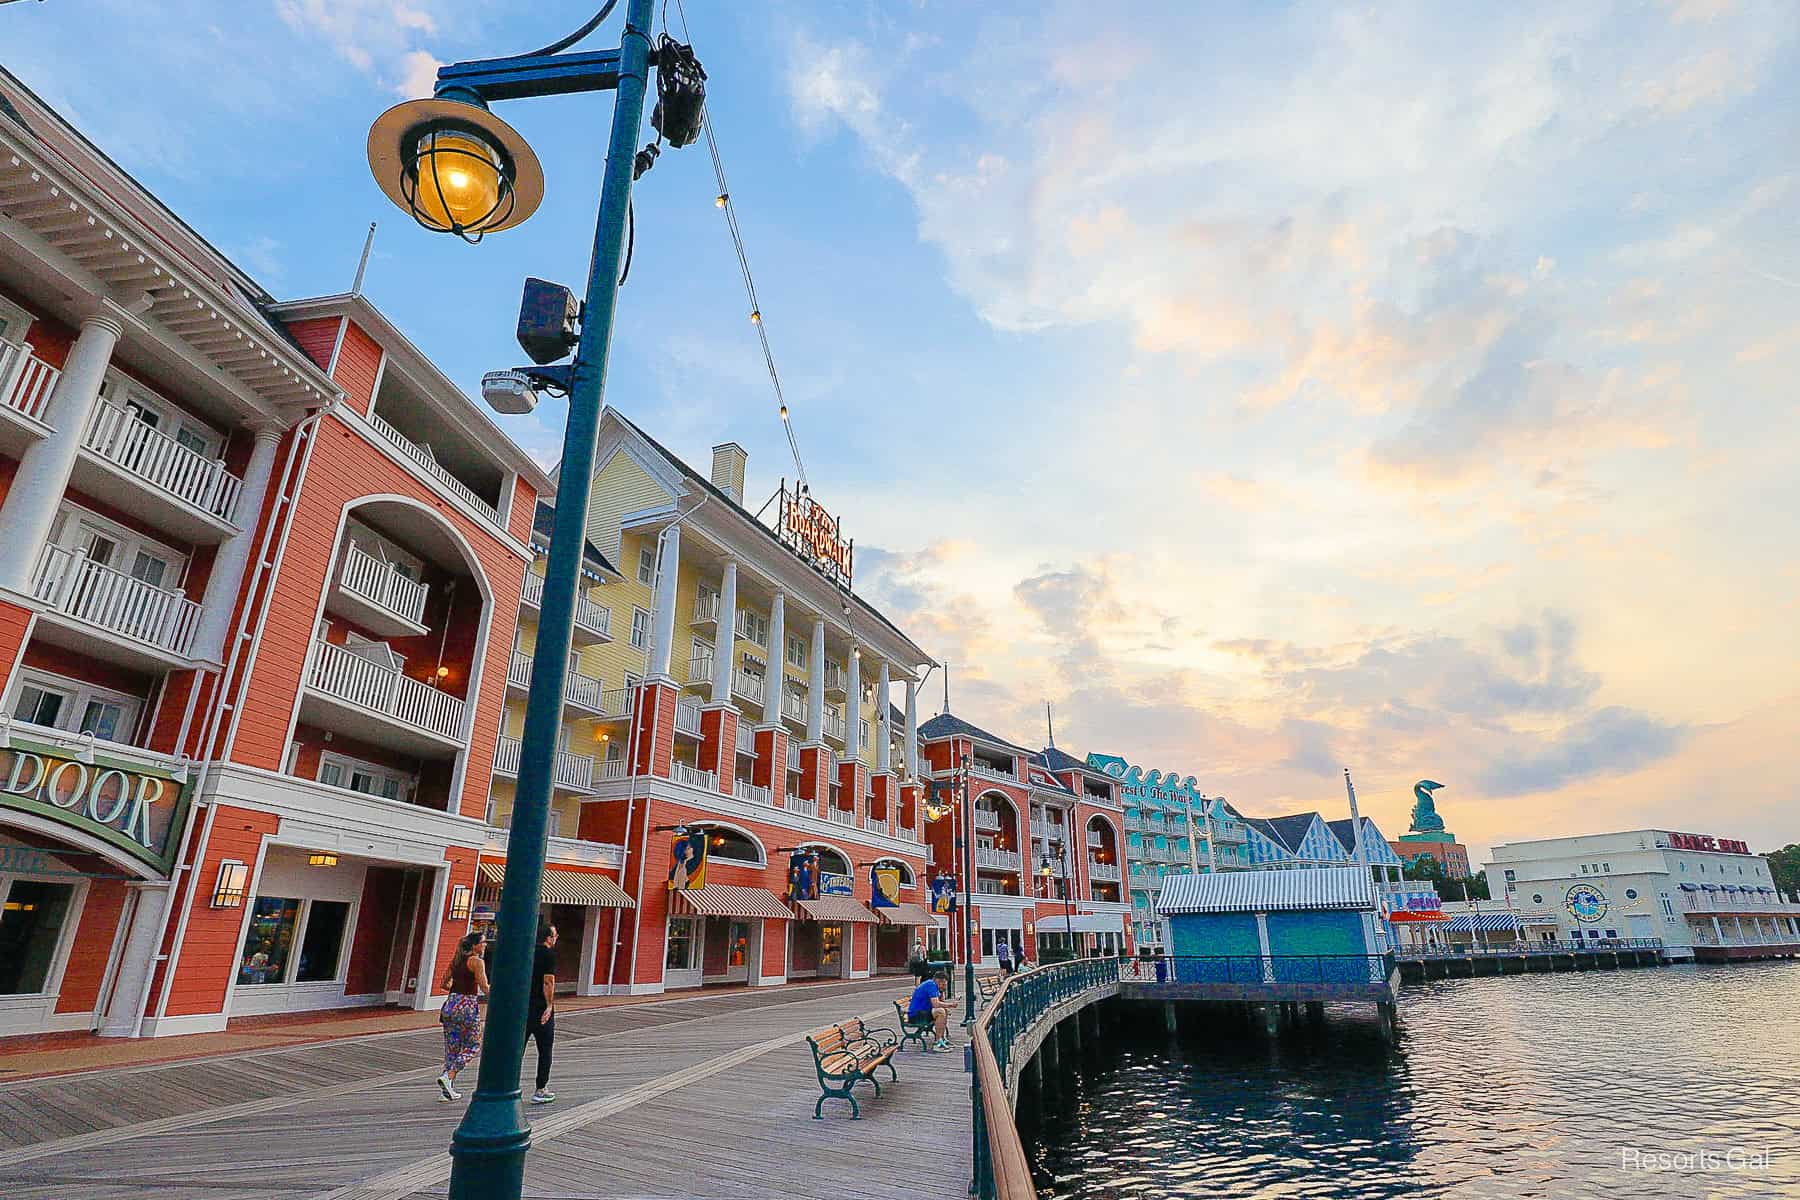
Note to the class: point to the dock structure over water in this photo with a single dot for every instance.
(1421, 963)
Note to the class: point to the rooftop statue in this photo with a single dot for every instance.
(1425, 818)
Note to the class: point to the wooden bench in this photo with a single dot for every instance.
(920, 1031)
(989, 986)
(848, 1054)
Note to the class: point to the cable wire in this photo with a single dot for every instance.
(737, 243)
(562, 44)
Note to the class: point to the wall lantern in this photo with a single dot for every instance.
(234, 878)
(462, 898)
(321, 859)
(455, 166)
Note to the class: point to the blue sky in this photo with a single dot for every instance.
(1273, 388)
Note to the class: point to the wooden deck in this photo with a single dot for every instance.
(710, 1096)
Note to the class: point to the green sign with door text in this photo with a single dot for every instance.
(136, 808)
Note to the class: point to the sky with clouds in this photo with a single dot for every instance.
(1273, 390)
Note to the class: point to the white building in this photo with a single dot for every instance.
(1707, 898)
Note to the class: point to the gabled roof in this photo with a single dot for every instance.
(1287, 832)
(1267, 891)
(1040, 775)
(1058, 760)
(706, 485)
(592, 561)
(944, 725)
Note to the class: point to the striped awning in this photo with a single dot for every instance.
(1267, 890)
(1484, 923)
(836, 909)
(1690, 887)
(729, 900)
(906, 914)
(583, 889)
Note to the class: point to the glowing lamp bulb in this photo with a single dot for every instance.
(458, 179)
(784, 415)
(756, 316)
(720, 200)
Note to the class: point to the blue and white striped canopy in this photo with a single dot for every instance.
(1487, 922)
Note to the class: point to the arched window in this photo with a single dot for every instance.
(731, 845)
(830, 860)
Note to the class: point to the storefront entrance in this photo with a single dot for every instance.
(37, 923)
(710, 950)
(818, 950)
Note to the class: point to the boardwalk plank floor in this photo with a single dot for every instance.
(708, 1097)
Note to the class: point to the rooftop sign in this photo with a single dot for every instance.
(807, 529)
(1701, 841)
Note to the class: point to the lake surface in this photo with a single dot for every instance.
(1657, 1082)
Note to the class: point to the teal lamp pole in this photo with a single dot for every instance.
(457, 168)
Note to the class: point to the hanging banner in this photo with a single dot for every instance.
(687, 862)
(943, 894)
(884, 887)
(833, 884)
(803, 875)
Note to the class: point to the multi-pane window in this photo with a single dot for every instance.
(753, 627)
(796, 651)
(74, 706)
(646, 572)
(336, 770)
(640, 628)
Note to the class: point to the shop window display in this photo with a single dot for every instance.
(269, 941)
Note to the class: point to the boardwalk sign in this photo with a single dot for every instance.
(130, 806)
(815, 535)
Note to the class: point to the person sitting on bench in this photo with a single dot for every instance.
(928, 1003)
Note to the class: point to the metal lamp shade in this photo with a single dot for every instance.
(455, 167)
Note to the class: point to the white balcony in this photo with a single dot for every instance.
(875, 825)
(746, 740)
(998, 860)
(843, 816)
(987, 819)
(793, 708)
(983, 770)
(421, 458)
(806, 808)
(835, 681)
(680, 772)
(687, 718)
(706, 609)
(371, 592)
(700, 671)
(750, 687)
(793, 756)
(580, 691)
(593, 622)
(574, 772)
(144, 470)
(612, 770)
(25, 385)
(743, 789)
(1049, 831)
(615, 704)
(834, 725)
(1095, 839)
(358, 687)
(1101, 872)
(112, 602)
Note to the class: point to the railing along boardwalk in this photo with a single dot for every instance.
(118, 436)
(1006, 1033)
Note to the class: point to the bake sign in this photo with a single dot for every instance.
(814, 534)
(132, 809)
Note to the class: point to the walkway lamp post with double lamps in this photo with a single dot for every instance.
(456, 168)
(1047, 872)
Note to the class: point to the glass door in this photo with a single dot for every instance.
(738, 952)
(682, 956)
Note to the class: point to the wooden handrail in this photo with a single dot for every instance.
(1006, 1152)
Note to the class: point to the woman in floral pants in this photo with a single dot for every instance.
(466, 982)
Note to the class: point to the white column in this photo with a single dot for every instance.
(912, 728)
(815, 694)
(43, 472)
(775, 686)
(227, 576)
(884, 733)
(725, 648)
(662, 622)
(853, 707)
(137, 958)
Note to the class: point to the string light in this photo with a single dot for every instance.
(723, 201)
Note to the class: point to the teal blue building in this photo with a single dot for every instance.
(1300, 925)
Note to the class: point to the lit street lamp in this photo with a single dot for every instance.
(459, 169)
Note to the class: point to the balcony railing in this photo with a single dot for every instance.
(987, 818)
(583, 690)
(348, 676)
(875, 824)
(793, 707)
(1103, 872)
(573, 771)
(614, 769)
(687, 718)
(743, 789)
(25, 380)
(1096, 839)
(595, 618)
(70, 582)
(680, 772)
(987, 771)
(834, 677)
(843, 816)
(380, 584)
(518, 670)
(794, 804)
(422, 458)
(706, 608)
(1003, 860)
(700, 668)
(750, 687)
(117, 436)
(615, 702)
(793, 757)
(1048, 831)
(834, 725)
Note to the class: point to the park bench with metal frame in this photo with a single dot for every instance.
(920, 1031)
(846, 1054)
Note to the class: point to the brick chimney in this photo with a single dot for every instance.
(728, 469)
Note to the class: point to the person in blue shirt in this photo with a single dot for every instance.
(928, 1002)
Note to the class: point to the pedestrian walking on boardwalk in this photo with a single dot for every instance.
(540, 1021)
(467, 982)
(1005, 952)
(918, 963)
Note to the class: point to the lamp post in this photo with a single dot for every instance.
(1046, 872)
(967, 831)
(457, 168)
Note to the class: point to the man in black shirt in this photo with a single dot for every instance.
(540, 1023)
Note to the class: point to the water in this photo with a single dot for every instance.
(1543, 1085)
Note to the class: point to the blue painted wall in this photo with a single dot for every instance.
(1209, 934)
(1317, 933)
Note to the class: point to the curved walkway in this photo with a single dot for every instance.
(709, 1096)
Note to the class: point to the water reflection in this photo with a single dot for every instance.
(1600, 1083)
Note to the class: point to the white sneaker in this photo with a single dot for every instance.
(446, 1089)
(543, 1096)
